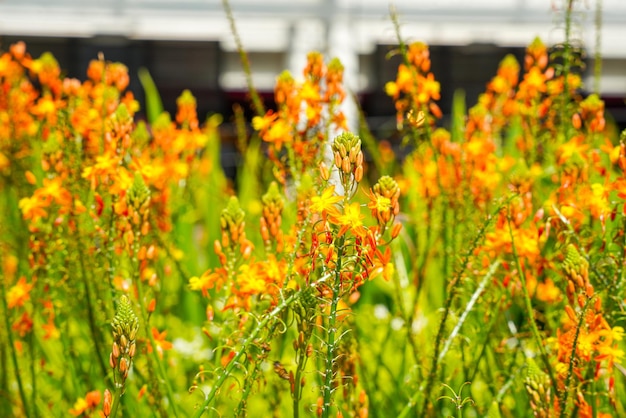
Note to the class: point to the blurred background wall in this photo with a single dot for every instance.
(188, 43)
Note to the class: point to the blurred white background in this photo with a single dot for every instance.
(188, 43)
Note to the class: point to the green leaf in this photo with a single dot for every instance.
(154, 105)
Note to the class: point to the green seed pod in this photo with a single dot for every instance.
(138, 194)
(125, 323)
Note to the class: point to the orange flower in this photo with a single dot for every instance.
(326, 203)
(32, 208)
(208, 280)
(573, 150)
(250, 280)
(350, 220)
(279, 133)
(53, 190)
(50, 329)
(382, 265)
(87, 404)
(23, 325)
(161, 343)
(262, 124)
(19, 293)
(548, 292)
(105, 167)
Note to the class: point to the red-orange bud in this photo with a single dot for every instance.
(358, 173)
(395, 231)
(108, 400)
(115, 350)
(324, 172)
(123, 365)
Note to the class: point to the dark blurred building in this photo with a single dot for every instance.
(188, 43)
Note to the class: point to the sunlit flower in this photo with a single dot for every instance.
(19, 293)
(161, 343)
(326, 203)
(87, 404)
(351, 219)
(547, 292)
(208, 280)
(23, 325)
(32, 208)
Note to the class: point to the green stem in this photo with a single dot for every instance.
(481, 287)
(68, 348)
(155, 356)
(490, 326)
(4, 375)
(529, 310)
(597, 56)
(117, 399)
(7, 325)
(257, 104)
(232, 364)
(332, 334)
(33, 376)
(252, 377)
(398, 279)
(566, 63)
(91, 316)
(442, 325)
(570, 371)
(444, 237)
(302, 360)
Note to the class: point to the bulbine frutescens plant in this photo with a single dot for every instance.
(289, 302)
(137, 281)
(88, 195)
(535, 154)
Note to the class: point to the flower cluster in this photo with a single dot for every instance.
(307, 112)
(415, 89)
(538, 155)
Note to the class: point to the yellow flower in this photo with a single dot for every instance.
(325, 204)
(32, 208)
(208, 280)
(548, 292)
(279, 133)
(19, 294)
(575, 147)
(391, 88)
(351, 219)
(53, 190)
(250, 280)
(262, 123)
(87, 404)
(598, 201)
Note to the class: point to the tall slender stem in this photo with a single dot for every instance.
(442, 325)
(468, 308)
(572, 358)
(91, 317)
(16, 367)
(530, 310)
(257, 104)
(155, 356)
(597, 55)
(232, 364)
(117, 399)
(567, 63)
(331, 340)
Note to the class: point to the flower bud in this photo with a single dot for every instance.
(123, 365)
(106, 405)
(324, 172)
(115, 350)
(358, 173)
